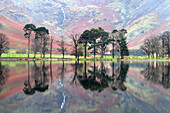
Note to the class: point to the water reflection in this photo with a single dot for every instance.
(84, 87)
(3, 74)
(158, 72)
(97, 77)
(41, 82)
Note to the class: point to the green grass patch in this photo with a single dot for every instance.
(72, 57)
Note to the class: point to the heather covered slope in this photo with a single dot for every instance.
(15, 33)
(141, 18)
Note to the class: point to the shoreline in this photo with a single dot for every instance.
(73, 59)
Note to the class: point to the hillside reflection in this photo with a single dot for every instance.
(3, 74)
(97, 77)
(158, 72)
(91, 76)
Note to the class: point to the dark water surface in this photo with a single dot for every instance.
(84, 87)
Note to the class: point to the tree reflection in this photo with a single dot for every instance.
(28, 89)
(120, 77)
(166, 76)
(158, 72)
(89, 81)
(41, 81)
(40, 75)
(3, 74)
(76, 66)
(98, 78)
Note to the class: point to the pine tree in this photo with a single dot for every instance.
(123, 48)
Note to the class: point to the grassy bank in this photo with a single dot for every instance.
(71, 57)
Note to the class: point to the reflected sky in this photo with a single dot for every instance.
(74, 87)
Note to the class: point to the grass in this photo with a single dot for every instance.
(72, 57)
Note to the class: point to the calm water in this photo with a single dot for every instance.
(84, 87)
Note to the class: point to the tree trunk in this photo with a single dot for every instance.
(63, 54)
(41, 47)
(113, 55)
(94, 48)
(51, 47)
(76, 52)
(102, 51)
(163, 47)
(168, 49)
(34, 54)
(122, 57)
(28, 46)
(102, 47)
(156, 55)
(85, 51)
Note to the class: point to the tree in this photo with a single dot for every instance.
(42, 81)
(104, 40)
(113, 36)
(123, 48)
(75, 37)
(165, 38)
(28, 28)
(35, 47)
(41, 33)
(80, 50)
(151, 46)
(118, 36)
(62, 47)
(146, 46)
(93, 35)
(45, 44)
(84, 39)
(51, 46)
(4, 43)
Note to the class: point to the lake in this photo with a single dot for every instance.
(84, 87)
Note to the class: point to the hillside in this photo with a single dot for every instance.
(141, 18)
(15, 33)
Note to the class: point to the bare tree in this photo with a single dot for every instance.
(75, 37)
(146, 47)
(166, 36)
(45, 45)
(35, 47)
(4, 43)
(62, 47)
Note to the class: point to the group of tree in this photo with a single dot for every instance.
(97, 41)
(40, 41)
(93, 40)
(158, 45)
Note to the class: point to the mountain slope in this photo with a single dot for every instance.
(15, 33)
(141, 18)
